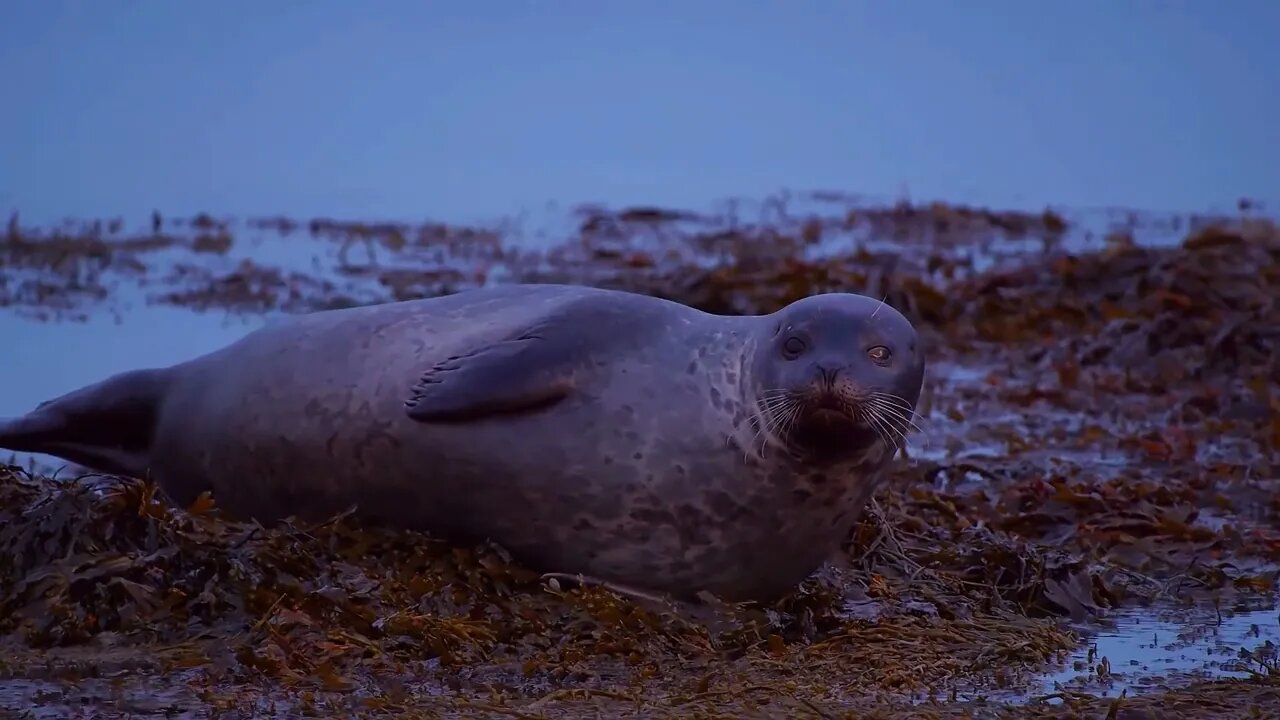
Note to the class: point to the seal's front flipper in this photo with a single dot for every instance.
(107, 426)
(527, 372)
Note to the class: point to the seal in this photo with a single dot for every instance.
(617, 436)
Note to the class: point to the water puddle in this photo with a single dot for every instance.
(1151, 648)
(127, 695)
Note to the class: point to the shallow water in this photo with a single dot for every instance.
(1149, 648)
(132, 698)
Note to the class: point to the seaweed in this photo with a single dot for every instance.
(1101, 431)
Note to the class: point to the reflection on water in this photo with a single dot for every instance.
(1148, 648)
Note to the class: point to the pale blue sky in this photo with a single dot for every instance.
(475, 108)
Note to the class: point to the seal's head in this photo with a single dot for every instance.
(838, 372)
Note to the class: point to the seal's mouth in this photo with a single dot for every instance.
(837, 421)
(831, 413)
(830, 428)
(828, 423)
(828, 420)
(832, 407)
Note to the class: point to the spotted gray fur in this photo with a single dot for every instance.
(586, 430)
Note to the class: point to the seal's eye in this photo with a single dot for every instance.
(793, 347)
(880, 354)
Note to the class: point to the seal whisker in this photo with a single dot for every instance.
(775, 403)
(900, 423)
(789, 421)
(894, 430)
(779, 426)
(903, 405)
(891, 399)
(903, 417)
(895, 418)
(866, 419)
(917, 421)
(772, 411)
(751, 446)
(878, 425)
(768, 416)
(759, 440)
(873, 312)
(774, 395)
(771, 416)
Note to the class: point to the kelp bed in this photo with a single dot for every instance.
(1101, 430)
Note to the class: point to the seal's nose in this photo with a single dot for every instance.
(827, 374)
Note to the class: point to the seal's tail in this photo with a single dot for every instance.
(107, 426)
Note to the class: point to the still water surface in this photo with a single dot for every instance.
(1148, 647)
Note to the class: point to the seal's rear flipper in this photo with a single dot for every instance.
(107, 426)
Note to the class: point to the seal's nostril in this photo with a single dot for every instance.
(828, 374)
